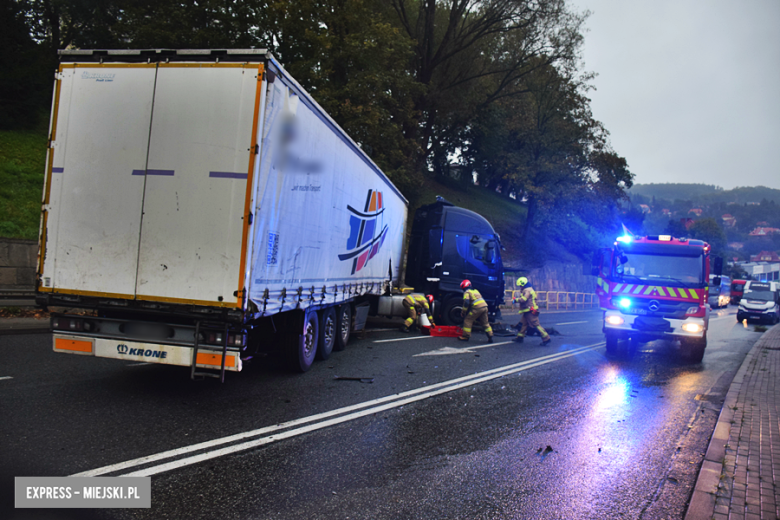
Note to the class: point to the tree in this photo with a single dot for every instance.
(470, 54)
(707, 229)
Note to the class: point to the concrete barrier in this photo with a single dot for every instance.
(17, 265)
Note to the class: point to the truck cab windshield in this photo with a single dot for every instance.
(657, 268)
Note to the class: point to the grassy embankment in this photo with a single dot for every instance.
(22, 160)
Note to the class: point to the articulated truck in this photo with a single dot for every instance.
(202, 207)
(655, 287)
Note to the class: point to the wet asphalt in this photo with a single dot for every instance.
(583, 436)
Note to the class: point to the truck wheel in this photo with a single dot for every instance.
(303, 347)
(451, 312)
(327, 333)
(694, 349)
(612, 343)
(343, 327)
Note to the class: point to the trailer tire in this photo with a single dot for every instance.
(451, 312)
(327, 333)
(302, 348)
(343, 327)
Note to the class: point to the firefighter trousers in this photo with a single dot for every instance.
(529, 319)
(481, 317)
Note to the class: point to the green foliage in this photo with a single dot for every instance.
(22, 160)
(413, 82)
(707, 229)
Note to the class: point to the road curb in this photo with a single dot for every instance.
(702, 504)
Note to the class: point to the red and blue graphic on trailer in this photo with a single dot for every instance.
(364, 238)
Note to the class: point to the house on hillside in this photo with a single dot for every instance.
(735, 246)
(666, 213)
(765, 256)
(645, 208)
(728, 220)
(763, 232)
(687, 222)
(695, 211)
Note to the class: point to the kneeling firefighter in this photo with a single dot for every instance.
(416, 304)
(529, 311)
(474, 309)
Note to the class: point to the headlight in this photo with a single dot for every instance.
(691, 327)
(615, 320)
(692, 310)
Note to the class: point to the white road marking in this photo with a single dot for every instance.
(570, 323)
(730, 316)
(385, 403)
(403, 339)
(6, 377)
(452, 350)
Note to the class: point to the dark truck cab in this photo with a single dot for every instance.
(448, 245)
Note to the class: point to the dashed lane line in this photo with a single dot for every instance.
(6, 377)
(365, 408)
(571, 323)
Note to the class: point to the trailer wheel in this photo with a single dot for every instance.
(343, 327)
(327, 333)
(451, 312)
(303, 347)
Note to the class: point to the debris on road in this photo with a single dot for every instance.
(361, 379)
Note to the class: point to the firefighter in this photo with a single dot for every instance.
(415, 305)
(529, 311)
(474, 309)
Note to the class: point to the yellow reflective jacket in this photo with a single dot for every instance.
(527, 299)
(419, 301)
(473, 300)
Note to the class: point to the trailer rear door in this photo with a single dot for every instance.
(196, 181)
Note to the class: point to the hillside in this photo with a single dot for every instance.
(705, 193)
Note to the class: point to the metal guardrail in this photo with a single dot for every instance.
(555, 300)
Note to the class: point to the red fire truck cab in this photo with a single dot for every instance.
(655, 287)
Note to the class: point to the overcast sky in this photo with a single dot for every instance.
(688, 89)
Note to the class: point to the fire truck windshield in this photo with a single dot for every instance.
(654, 268)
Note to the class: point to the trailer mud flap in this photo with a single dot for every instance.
(146, 352)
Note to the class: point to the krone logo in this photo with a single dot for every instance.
(655, 305)
(122, 349)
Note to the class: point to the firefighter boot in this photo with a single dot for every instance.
(463, 338)
(490, 339)
(546, 340)
(404, 328)
(518, 339)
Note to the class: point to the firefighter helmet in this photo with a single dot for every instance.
(465, 284)
(522, 281)
(430, 298)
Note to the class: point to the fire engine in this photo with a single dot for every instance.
(655, 287)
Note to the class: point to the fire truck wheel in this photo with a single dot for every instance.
(612, 343)
(302, 348)
(693, 349)
(343, 327)
(327, 333)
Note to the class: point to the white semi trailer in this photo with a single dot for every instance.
(203, 207)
